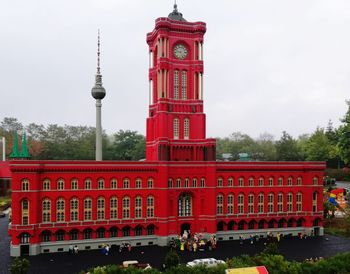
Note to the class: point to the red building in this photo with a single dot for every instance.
(179, 187)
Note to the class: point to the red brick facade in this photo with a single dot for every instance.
(179, 186)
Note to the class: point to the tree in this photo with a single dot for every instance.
(19, 266)
(128, 145)
(265, 148)
(172, 259)
(318, 146)
(287, 149)
(344, 136)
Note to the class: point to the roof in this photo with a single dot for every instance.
(248, 270)
(5, 170)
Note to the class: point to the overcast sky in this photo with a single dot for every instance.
(270, 65)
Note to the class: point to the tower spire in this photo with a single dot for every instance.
(98, 52)
(98, 92)
(176, 15)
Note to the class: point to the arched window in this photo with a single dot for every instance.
(87, 209)
(270, 203)
(240, 181)
(150, 229)
(46, 184)
(261, 203)
(113, 232)
(74, 209)
(150, 183)
(299, 181)
(184, 85)
(219, 204)
(299, 201)
(100, 184)
(138, 230)
(219, 182)
(185, 205)
(25, 238)
(176, 128)
(251, 203)
(290, 181)
(25, 212)
(251, 181)
(202, 182)
(194, 182)
(187, 182)
(113, 204)
(114, 183)
(261, 181)
(60, 206)
(101, 208)
(126, 183)
(176, 84)
(87, 184)
(315, 181)
(230, 181)
(138, 207)
(240, 204)
(60, 184)
(25, 184)
(186, 128)
(126, 231)
(138, 183)
(230, 200)
(73, 234)
(280, 181)
(170, 183)
(87, 233)
(280, 202)
(60, 235)
(74, 184)
(178, 182)
(46, 210)
(100, 233)
(126, 207)
(150, 207)
(271, 181)
(46, 236)
(290, 202)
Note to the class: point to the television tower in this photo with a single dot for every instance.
(98, 92)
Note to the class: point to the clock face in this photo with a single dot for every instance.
(180, 51)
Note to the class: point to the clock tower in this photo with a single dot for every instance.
(176, 121)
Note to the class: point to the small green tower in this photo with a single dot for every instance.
(25, 152)
(15, 153)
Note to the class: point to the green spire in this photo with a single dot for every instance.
(25, 153)
(15, 154)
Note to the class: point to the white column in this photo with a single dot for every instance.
(150, 92)
(151, 59)
(201, 45)
(199, 51)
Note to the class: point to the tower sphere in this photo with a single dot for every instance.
(98, 91)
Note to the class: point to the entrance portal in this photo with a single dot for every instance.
(185, 226)
(24, 250)
(317, 231)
